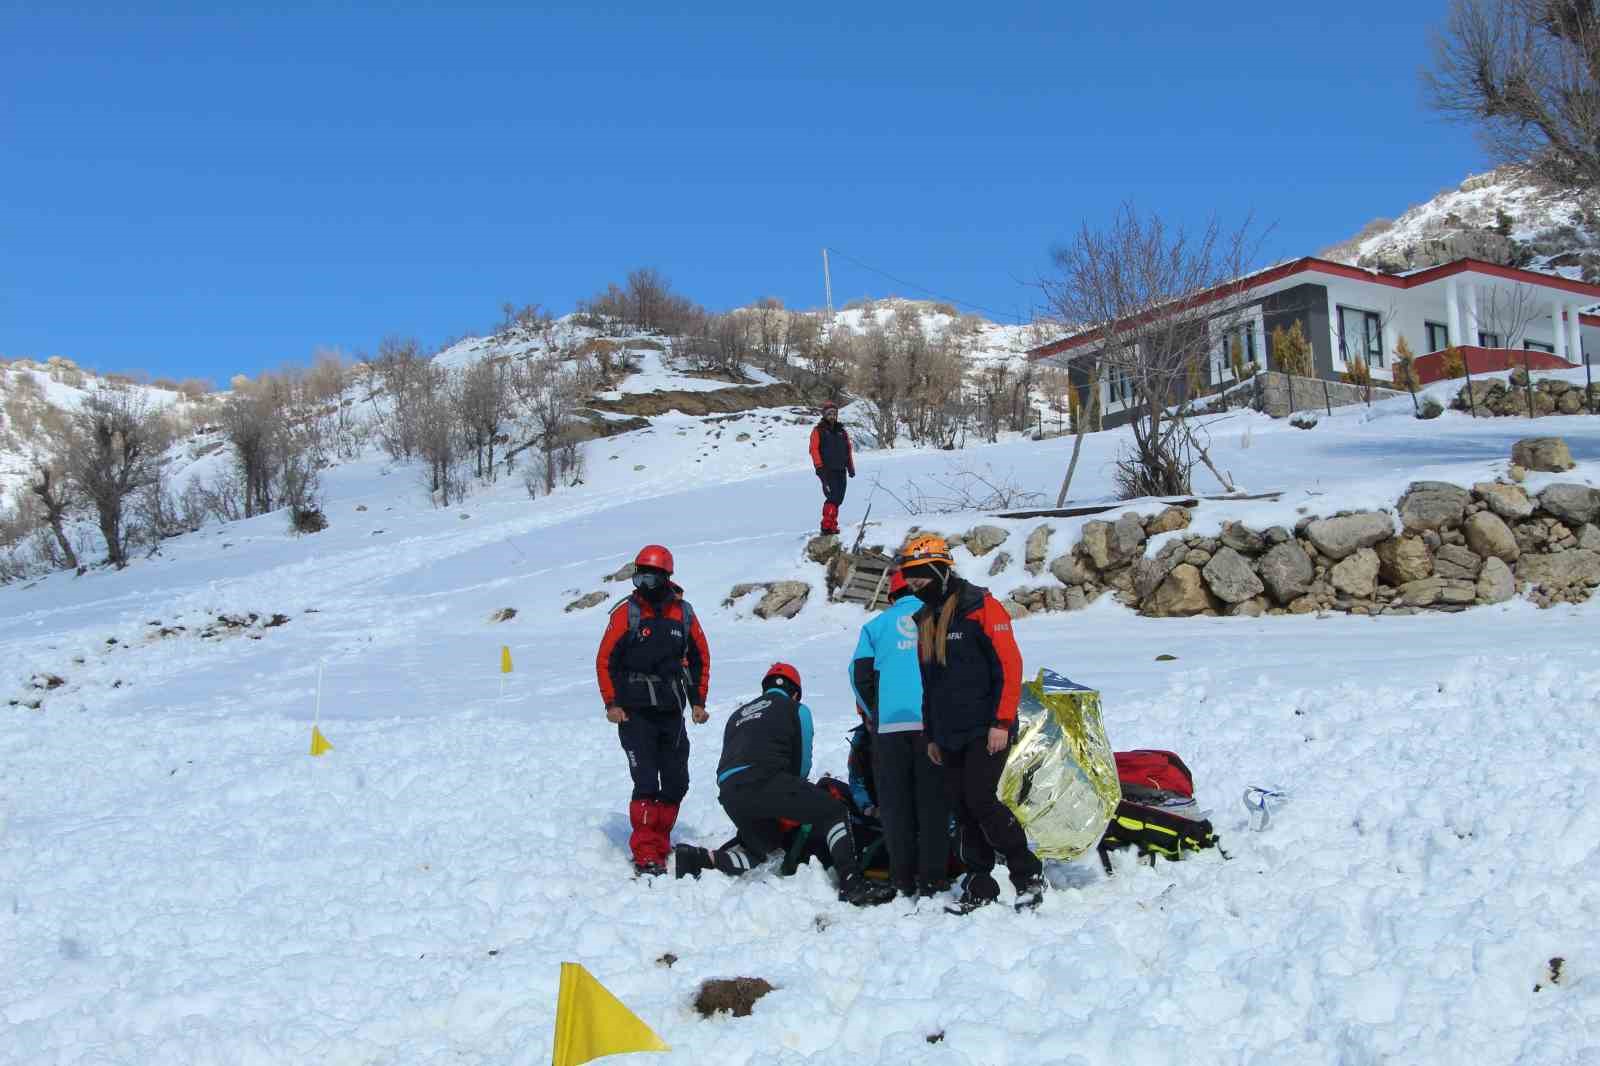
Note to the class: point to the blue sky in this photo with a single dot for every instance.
(199, 194)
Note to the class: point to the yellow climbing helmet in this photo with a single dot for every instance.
(925, 550)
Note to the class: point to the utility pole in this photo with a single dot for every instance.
(827, 287)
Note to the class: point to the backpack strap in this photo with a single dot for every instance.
(635, 616)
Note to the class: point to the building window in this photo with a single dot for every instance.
(1438, 337)
(1489, 340)
(1360, 335)
(1539, 346)
(1242, 336)
(1119, 385)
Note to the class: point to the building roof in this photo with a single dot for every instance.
(1312, 265)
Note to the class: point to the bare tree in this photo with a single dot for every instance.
(1526, 73)
(877, 377)
(1148, 292)
(548, 391)
(115, 450)
(437, 426)
(485, 397)
(405, 375)
(52, 492)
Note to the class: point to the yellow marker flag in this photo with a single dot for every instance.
(319, 743)
(505, 659)
(591, 1023)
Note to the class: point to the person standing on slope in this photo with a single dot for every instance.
(653, 663)
(766, 758)
(834, 459)
(971, 684)
(910, 791)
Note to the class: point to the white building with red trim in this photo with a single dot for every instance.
(1497, 317)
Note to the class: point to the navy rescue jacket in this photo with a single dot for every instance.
(769, 735)
(979, 684)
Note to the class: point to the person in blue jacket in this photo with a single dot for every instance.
(766, 758)
(910, 791)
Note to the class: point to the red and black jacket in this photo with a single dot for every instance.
(980, 682)
(830, 447)
(660, 663)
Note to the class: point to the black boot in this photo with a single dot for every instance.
(979, 890)
(689, 861)
(858, 891)
(1030, 892)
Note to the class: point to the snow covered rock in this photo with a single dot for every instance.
(1346, 534)
(1488, 535)
(1037, 549)
(1286, 571)
(1432, 505)
(1507, 501)
(1169, 520)
(1229, 576)
(1068, 570)
(1357, 575)
(981, 540)
(1404, 559)
(1573, 504)
(1542, 453)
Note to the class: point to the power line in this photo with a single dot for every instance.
(926, 291)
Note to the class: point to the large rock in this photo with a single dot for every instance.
(1148, 573)
(1182, 593)
(1404, 559)
(1038, 549)
(1127, 538)
(1589, 537)
(1243, 540)
(583, 603)
(1577, 567)
(1357, 575)
(1432, 505)
(1001, 561)
(1095, 543)
(1436, 590)
(822, 549)
(1496, 584)
(1489, 536)
(1069, 570)
(1168, 521)
(981, 540)
(1542, 453)
(1507, 501)
(783, 599)
(1456, 562)
(1229, 576)
(1573, 504)
(1347, 534)
(1286, 571)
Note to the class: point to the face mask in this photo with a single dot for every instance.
(934, 591)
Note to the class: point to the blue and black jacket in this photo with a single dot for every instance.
(885, 673)
(769, 735)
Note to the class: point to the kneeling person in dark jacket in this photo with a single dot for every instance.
(766, 756)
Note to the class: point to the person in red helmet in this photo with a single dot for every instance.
(834, 460)
(762, 779)
(653, 663)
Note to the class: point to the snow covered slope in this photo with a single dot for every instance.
(1503, 216)
(181, 883)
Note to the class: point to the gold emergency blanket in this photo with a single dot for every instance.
(1060, 779)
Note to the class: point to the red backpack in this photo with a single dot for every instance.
(1158, 814)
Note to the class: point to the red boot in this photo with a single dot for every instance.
(665, 817)
(649, 856)
(830, 518)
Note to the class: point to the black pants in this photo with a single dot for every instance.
(657, 745)
(971, 778)
(754, 806)
(833, 485)
(913, 808)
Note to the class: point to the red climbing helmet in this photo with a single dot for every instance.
(783, 672)
(654, 555)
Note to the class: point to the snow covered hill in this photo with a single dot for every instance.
(1504, 216)
(180, 882)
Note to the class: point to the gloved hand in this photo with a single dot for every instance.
(819, 471)
(852, 472)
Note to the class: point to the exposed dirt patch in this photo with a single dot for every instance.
(737, 994)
